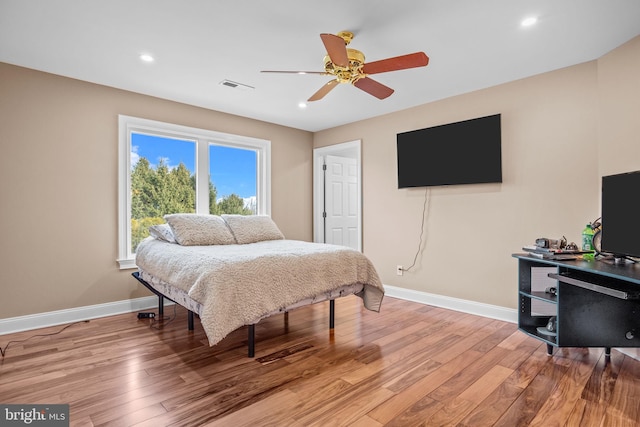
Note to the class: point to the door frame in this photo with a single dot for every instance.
(351, 149)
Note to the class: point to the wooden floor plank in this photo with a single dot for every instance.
(269, 411)
(492, 407)
(404, 400)
(625, 397)
(410, 364)
(565, 394)
(484, 386)
(529, 402)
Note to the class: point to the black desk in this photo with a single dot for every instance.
(597, 303)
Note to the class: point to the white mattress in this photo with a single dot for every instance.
(182, 298)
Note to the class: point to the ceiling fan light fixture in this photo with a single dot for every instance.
(348, 66)
(349, 74)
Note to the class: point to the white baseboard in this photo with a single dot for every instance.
(53, 318)
(465, 306)
(60, 317)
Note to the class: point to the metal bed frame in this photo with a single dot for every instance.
(251, 330)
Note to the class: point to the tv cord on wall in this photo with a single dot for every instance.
(425, 212)
(4, 350)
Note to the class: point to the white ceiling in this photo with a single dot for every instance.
(472, 44)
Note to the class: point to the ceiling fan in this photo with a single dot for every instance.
(348, 66)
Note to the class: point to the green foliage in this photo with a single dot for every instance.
(214, 209)
(155, 193)
(140, 229)
(162, 191)
(233, 204)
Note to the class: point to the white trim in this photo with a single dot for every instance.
(53, 318)
(350, 149)
(466, 306)
(124, 197)
(318, 197)
(203, 138)
(127, 263)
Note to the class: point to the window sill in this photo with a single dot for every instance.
(127, 264)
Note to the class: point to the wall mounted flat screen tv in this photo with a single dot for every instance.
(621, 215)
(466, 152)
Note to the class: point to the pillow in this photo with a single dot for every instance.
(162, 232)
(199, 230)
(253, 228)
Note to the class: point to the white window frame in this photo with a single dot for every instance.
(203, 139)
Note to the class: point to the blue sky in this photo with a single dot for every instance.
(232, 170)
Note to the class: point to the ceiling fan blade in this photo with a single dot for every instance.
(336, 49)
(324, 90)
(412, 60)
(374, 88)
(295, 72)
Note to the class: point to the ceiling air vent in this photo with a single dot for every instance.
(236, 85)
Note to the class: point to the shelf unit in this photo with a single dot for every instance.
(596, 304)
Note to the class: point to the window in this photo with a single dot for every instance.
(232, 173)
(166, 168)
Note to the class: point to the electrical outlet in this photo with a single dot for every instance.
(146, 315)
(399, 270)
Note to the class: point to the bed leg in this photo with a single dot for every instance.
(160, 306)
(251, 340)
(190, 320)
(332, 313)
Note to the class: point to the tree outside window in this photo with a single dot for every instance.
(174, 169)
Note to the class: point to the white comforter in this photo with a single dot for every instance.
(239, 284)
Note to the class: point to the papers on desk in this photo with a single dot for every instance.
(555, 254)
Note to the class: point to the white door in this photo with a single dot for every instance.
(341, 201)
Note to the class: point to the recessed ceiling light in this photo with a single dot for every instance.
(145, 57)
(527, 22)
(302, 105)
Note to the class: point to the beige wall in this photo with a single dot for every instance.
(553, 154)
(58, 186)
(619, 92)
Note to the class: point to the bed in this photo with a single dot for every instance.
(234, 270)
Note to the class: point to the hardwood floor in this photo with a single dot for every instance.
(408, 365)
